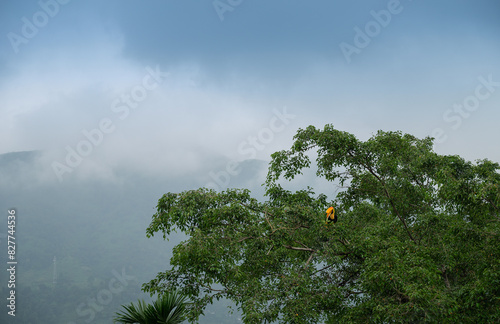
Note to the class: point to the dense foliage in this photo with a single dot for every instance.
(417, 237)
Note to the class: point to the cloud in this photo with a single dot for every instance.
(225, 79)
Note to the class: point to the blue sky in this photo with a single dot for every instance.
(172, 85)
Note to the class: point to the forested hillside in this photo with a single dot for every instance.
(96, 231)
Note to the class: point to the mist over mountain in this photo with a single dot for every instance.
(81, 244)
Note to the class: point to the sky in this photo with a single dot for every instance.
(174, 86)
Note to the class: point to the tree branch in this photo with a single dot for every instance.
(331, 265)
(369, 168)
(299, 248)
(310, 258)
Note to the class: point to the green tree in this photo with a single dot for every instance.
(170, 308)
(417, 237)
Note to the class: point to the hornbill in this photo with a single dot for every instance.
(330, 215)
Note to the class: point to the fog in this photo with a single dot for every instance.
(108, 105)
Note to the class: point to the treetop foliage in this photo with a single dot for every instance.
(417, 239)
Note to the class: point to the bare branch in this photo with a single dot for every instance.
(310, 258)
(299, 248)
(327, 267)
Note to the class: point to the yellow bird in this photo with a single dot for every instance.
(330, 215)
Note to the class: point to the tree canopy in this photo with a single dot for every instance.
(417, 237)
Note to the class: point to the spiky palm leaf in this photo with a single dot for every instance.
(167, 309)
